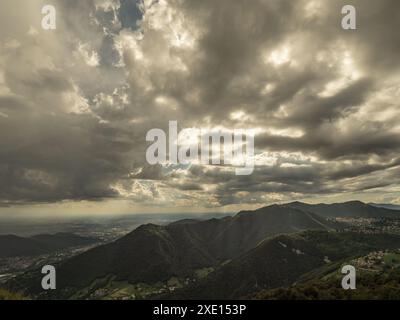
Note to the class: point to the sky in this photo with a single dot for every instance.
(76, 103)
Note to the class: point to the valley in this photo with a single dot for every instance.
(246, 255)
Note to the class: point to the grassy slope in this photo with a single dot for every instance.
(281, 261)
(6, 295)
(370, 286)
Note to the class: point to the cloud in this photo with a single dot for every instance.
(76, 103)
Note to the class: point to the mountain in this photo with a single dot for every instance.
(349, 209)
(385, 205)
(281, 261)
(153, 253)
(235, 246)
(13, 246)
(377, 279)
(248, 228)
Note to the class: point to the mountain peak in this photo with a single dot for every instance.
(355, 202)
(295, 203)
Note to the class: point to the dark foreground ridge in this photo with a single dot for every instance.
(13, 246)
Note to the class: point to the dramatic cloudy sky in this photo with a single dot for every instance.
(76, 102)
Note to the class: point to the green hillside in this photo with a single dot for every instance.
(254, 250)
(6, 295)
(283, 260)
(346, 209)
(152, 253)
(380, 280)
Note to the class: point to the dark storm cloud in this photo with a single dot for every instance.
(311, 112)
(71, 158)
(361, 142)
